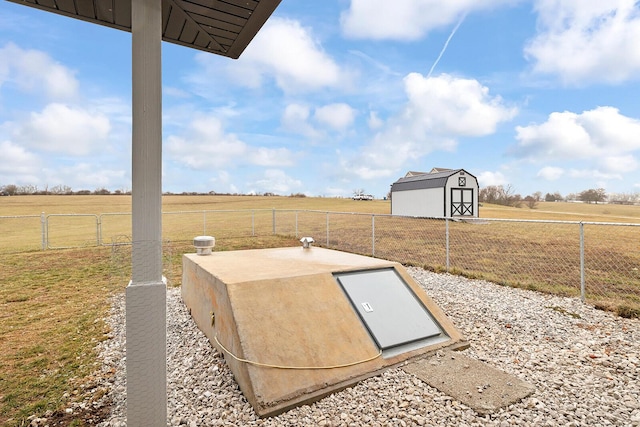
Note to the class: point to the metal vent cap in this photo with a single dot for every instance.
(306, 242)
(204, 244)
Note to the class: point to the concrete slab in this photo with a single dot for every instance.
(483, 388)
(287, 330)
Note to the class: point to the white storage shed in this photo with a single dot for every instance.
(440, 193)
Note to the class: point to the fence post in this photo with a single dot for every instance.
(43, 228)
(582, 284)
(446, 232)
(204, 223)
(373, 235)
(327, 229)
(99, 228)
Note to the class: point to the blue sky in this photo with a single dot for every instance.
(338, 95)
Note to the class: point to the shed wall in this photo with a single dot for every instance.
(427, 202)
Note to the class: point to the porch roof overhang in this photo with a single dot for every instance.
(215, 26)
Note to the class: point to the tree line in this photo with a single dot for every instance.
(25, 190)
(506, 196)
(22, 190)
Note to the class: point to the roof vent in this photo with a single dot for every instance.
(204, 244)
(306, 242)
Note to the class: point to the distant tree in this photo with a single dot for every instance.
(593, 195)
(537, 195)
(82, 192)
(532, 202)
(555, 197)
(101, 191)
(500, 195)
(624, 198)
(11, 189)
(27, 189)
(61, 189)
(489, 194)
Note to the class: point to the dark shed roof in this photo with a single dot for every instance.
(426, 180)
(221, 27)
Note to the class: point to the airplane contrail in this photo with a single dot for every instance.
(446, 44)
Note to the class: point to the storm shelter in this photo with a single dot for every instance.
(297, 324)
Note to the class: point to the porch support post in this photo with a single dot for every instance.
(146, 294)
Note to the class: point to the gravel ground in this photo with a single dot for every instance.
(584, 363)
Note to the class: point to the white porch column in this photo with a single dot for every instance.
(146, 293)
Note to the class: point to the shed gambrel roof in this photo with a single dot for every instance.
(436, 170)
(427, 180)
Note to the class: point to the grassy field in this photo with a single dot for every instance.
(51, 302)
(561, 211)
(35, 205)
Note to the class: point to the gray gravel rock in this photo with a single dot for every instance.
(584, 363)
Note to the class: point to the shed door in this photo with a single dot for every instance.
(462, 201)
(389, 309)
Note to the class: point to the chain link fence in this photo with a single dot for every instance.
(599, 262)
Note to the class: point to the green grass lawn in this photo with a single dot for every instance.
(51, 308)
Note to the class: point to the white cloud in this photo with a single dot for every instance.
(619, 164)
(447, 105)
(295, 118)
(488, 178)
(262, 156)
(593, 174)
(276, 181)
(205, 145)
(594, 134)
(337, 116)
(88, 176)
(17, 163)
(405, 19)
(64, 129)
(34, 71)
(374, 121)
(285, 51)
(438, 111)
(550, 173)
(587, 41)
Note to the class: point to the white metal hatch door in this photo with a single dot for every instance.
(388, 307)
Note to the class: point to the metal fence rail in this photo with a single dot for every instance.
(595, 261)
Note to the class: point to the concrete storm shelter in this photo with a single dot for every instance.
(296, 324)
(219, 27)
